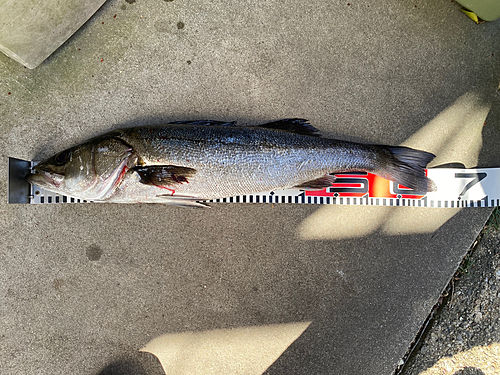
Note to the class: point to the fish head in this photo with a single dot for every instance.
(89, 171)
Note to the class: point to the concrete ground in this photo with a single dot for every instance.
(464, 336)
(83, 287)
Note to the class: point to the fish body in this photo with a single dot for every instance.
(182, 163)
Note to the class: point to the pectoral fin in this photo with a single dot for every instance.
(164, 175)
(319, 183)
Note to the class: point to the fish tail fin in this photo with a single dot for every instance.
(406, 166)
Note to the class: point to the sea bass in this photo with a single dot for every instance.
(184, 163)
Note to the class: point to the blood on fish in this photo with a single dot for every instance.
(121, 175)
(166, 188)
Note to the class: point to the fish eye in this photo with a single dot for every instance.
(62, 158)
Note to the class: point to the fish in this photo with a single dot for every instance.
(187, 163)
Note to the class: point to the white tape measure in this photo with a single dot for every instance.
(455, 188)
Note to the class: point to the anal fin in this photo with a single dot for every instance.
(319, 183)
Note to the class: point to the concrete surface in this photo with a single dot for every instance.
(464, 336)
(84, 287)
(31, 30)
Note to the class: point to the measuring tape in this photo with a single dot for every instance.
(454, 188)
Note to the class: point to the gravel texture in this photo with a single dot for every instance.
(463, 334)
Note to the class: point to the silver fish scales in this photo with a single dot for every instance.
(183, 163)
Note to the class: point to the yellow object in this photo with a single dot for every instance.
(471, 15)
(482, 10)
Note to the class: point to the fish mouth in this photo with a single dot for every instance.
(45, 179)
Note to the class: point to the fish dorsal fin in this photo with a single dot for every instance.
(164, 175)
(318, 184)
(205, 123)
(293, 125)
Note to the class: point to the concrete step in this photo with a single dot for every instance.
(30, 31)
